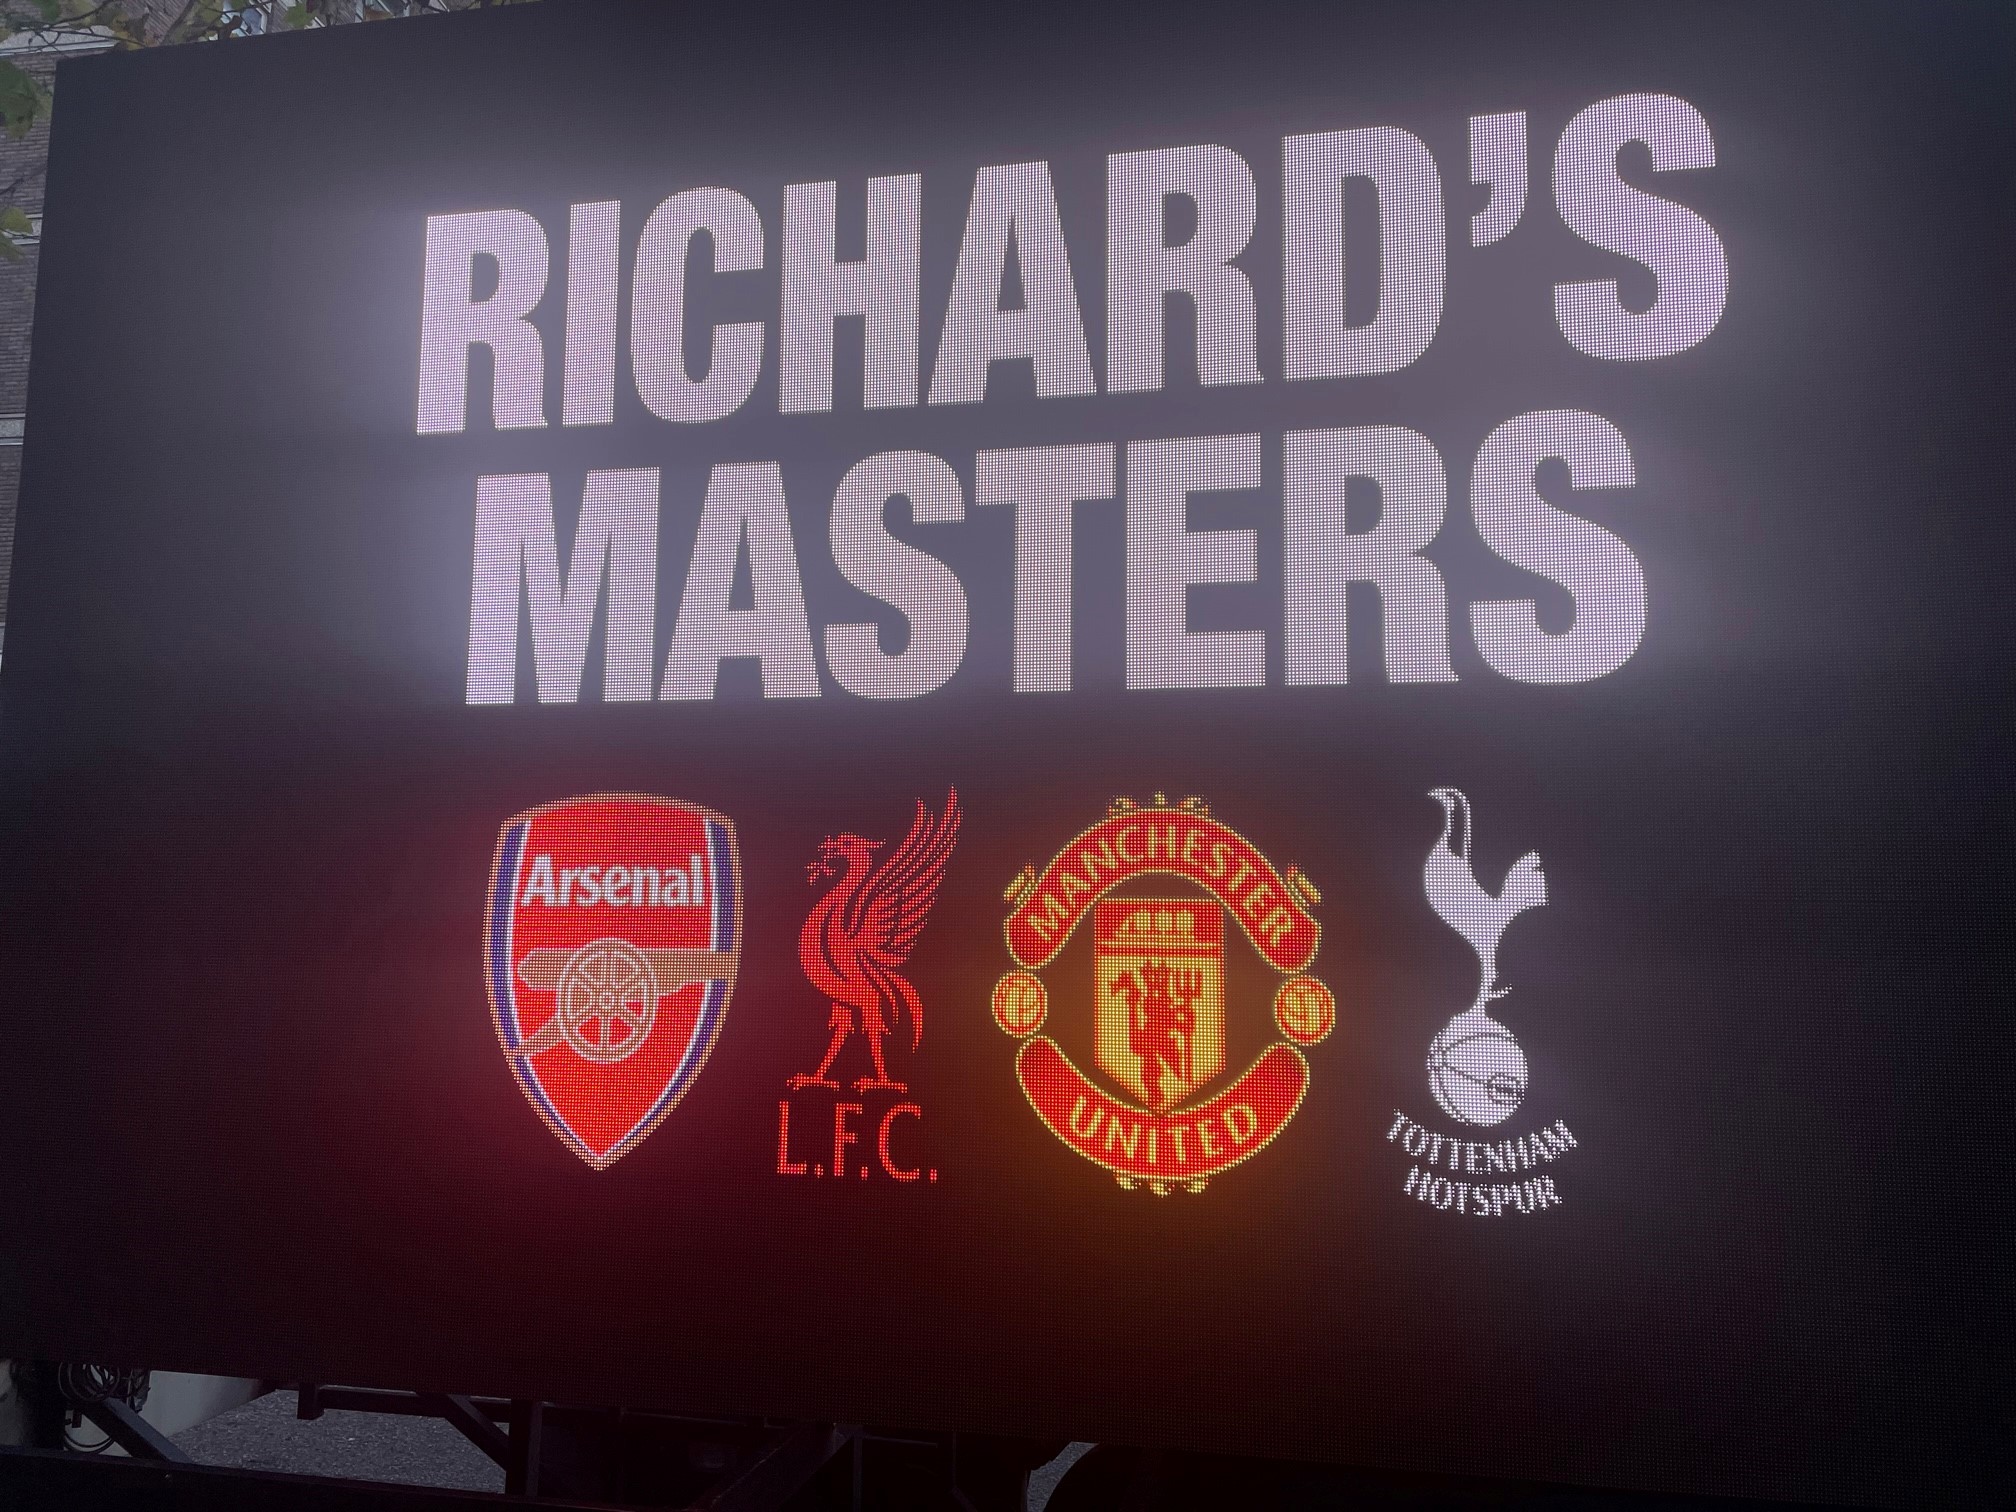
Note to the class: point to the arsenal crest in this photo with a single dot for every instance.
(1166, 1115)
(610, 946)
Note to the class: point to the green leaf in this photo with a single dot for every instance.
(14, 222)
(22, 100)
(297, 17)
(52, 10)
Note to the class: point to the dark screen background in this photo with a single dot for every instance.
(253, 1118)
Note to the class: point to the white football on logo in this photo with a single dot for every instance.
(1477, 1070)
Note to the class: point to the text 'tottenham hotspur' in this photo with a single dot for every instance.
(1012, 222)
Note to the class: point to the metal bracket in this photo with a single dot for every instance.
(132, 1432)
(516, 1452)
(787, 1459)
(467, 1419)
(528, 1430)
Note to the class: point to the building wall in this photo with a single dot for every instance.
(175, 1401)
(21, 163)
(22, 166)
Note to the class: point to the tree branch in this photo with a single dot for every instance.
(21, 180)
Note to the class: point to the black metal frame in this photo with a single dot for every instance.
(780, 1461)
(514, 1448)
(551, 1453)
(757, 1464)
(132, 1432)
(47, 1478)
(745, 1465)
(1129, 1481)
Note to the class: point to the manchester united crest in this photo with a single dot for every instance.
(1163, 887)
(610, 947)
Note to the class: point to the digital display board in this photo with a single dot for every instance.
(1275, 732)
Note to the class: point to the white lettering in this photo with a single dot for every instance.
(588, 384)
(1498, 162)
(744, 508)
(1413, 241)
(658, 307)
(1142, 269)
(1682, 250)
(1324, 556)
(1043, 483)
(916, 584)
(1012, 206)
(819, 289)
(539, 883)
(451, 322)
(1599, 571)
(1165, 557)
(618, 886)
(515, 543)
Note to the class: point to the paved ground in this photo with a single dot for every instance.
(265, 1435)
(1044, 1481)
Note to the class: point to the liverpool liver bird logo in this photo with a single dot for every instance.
(860, 933)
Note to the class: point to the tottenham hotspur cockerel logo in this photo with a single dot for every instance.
(1475, 1066)
(1476, 1069)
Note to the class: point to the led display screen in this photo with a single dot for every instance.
(1270, 732)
